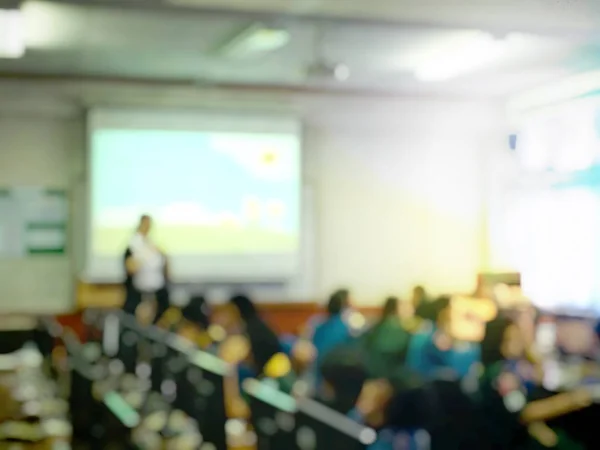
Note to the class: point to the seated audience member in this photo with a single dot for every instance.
(386, 343)
(419, 297)
(513, 420)
(339, 299)
(436, 416)
(422, 304)
(196, 323)
(263, 343)
(435, 353)
(334, 331)
(344, 373)
(250, 345)
(194, 310)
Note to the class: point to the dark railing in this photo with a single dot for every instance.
(282, 421)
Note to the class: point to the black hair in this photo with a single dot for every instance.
(338, 302)
(440, 408)
(390, 307)
(344, 369)
(440, 305)
(264, 343)
(432, 310)
(491, 345)
(244, 305)
(197, 312)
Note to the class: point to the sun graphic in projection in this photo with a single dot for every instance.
(269, 157)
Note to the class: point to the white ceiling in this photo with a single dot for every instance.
(542, 16)
(176, 44)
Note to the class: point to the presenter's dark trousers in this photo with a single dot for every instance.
(133, 297)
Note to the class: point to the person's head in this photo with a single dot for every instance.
(445, 417)
(441, 312)
(235, 313)
(390, 307)
(344, 372)
(418, 295)
(243, 306)
(338, 302)
(145, 225)
(502, 341)
(197, 312)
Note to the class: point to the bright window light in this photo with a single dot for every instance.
(12, 33)
(469, 52)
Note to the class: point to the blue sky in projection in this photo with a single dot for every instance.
(153, 169)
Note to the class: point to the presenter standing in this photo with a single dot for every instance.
(146, 269)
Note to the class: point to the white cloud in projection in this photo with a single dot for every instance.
(186, 213)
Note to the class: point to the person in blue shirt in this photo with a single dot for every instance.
(340, 300)
(333, 331)
(434, 353)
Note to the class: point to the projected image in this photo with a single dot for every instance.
(208, 193)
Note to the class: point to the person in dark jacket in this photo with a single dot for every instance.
(344, 372)
(515, 420)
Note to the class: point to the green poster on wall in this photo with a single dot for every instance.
(33, 221)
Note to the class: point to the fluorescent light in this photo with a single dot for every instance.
(459, 56)
(12, 33)
(254, 40)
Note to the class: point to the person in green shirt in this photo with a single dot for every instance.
(386, 343)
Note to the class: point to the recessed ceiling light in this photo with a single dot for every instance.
(341, 72)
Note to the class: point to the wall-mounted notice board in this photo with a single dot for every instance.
(33, 221)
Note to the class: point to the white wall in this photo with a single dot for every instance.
(401, 198)
(397, 186)
(37, 150)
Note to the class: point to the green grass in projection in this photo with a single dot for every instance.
(216, 193)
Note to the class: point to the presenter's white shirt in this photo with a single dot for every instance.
(150, 275)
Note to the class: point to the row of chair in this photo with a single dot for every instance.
(183, 379)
